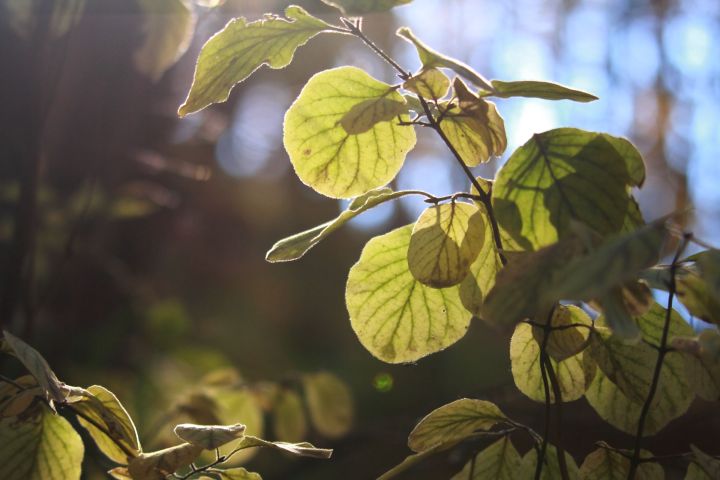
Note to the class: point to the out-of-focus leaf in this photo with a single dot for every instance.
(361, 7)
(236, 51)
(445, 241)
(535, 89)
(397, 318)
(209, 437)
(42, 446)
(289, 422)
(453, 422)
(238, 473)
(566, 340)
(328, 158)
(295, 246)
(168, 26)
(238, 406)
(430, 83)
(329, 403)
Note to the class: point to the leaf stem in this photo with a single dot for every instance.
(357, 31)
(558, 415)
(662, 351)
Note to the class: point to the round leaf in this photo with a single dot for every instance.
(327, 157)
(329, 403)
(289, 420)
(397, 318)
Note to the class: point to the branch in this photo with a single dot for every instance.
(662, 351)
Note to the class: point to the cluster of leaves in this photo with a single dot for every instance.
(39, 443)
(553, 248)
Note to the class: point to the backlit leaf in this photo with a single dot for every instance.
(239, 406)
(397, 318)
(324, 154)
(41, 447)
(430, 83)
(361, 7)
(535, 89)
(499, 461)
(412, 460)
(37, 366)
(604, 464)
(573, 374)
(209, 437)
(474, 127)
(445, 241)
(563, 176)
(168, 27)
(158, 465)
(433, 59)
(697, 295)
(289, 422)
(302, 449)
(236, 51)
(238, 473)
(551, 466)
(108, 424)
(366, 114)
(329, 403)
(566, 341)
(454, 421)
(295, 246)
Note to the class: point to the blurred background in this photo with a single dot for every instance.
(132, 242)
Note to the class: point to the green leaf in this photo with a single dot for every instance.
(238, 473)
(412, 460)
(433, 59)
(54, 389)
(574, 374)
(158, 465)
(236, 51)
(563, 176)
(329, 403)
(108, 424)
(238, 406)
(567, 340)
(474, 127)
(499, 461)
(709, 264)
(535, 89)
(604, 464)
(42, 446)
(483, 271)
(453, 422)
(209, 437)
(701, 356)
(302, 449)
(445, 241)
(289, 422)
(698, 296)
(397, 318)
(709, 466)
(295, 246)
(324, 154)
(551, 466)
(430, 83)
(168, 26)
(368, 113)
(361, 7)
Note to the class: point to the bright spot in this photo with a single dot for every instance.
(383, 382)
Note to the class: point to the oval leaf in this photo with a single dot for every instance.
(535, 89)
(236, 51)
(454, 421)
(289, 422)
(604, 464)
(37, 366)
(397, 318)
(567, 340)
(430, 83)
(445, 241)
(209, 437)
(329, 403)
(324, 154)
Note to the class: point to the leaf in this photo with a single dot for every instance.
(168, 26)
(430, 83)
(54, 389)
(535, 89)
(329, 403)
(574, 374)
(295, 246)
(563, 176)
(701, 357)
(710, 466)
(43, 446)
(604, 464)
(697, 295)
(499, 461)
(551, 466)
(397, 318)
(236, 51)
(445, 241)
(239, 406)
(361, 7)
(474, 127)
(325, 156)
(368, 113)
(158, 465)
(209, 437)
(238, 473)
(302, 449)
(289, 420)
(708, 262)
(483, 271)
(566, 341)
(453, 422)
(433, 59)
(412, 460)
(108, 424)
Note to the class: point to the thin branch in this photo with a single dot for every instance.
(662, 351)
(355, 30)
(558, 414)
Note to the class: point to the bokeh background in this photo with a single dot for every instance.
(147, 266)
